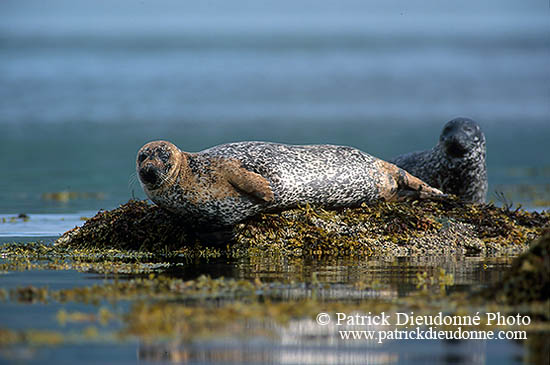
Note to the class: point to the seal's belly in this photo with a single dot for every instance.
(203, 209)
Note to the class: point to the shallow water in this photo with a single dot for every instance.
(84, 84)
(266, 340)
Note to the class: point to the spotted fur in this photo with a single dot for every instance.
(456, 164)
(228, 183)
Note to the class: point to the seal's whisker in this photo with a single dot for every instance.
(132, 179)
(169, 180)
(132, 176)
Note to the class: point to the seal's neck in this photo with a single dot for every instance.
(183, 171)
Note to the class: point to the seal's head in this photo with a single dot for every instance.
(461, 137)
(156, 163)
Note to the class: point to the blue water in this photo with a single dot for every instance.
(83, 84)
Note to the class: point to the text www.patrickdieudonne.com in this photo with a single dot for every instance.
(426, 327)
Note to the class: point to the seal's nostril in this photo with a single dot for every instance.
(148, 174)
(455, 147)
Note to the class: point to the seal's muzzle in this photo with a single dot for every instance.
(455, 146)
(149, 175)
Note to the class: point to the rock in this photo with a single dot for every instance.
(405, 228)
(528, 280)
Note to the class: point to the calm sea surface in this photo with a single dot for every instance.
(84, 84)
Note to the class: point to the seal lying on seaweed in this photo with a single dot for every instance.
(456, 164)
(226, 184)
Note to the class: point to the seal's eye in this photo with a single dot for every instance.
(468, 129)
(141, 157)
(163, 155)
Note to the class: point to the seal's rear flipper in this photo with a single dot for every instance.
(403, 195)
(407, 181)
(402, 185)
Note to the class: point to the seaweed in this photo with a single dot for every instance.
(136, 224)
(528, 279)
(401, 228)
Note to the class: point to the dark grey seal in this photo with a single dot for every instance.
(456, 165)
(226, 184)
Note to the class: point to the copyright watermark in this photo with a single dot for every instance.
(408, 326)
(323, 319)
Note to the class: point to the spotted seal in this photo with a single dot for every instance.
(228, 183)
(456, 164)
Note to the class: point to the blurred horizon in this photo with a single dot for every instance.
(84, 84)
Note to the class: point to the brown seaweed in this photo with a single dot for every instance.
(404, 228)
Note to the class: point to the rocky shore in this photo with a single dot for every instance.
(399, 229)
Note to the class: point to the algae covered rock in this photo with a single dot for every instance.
(417, 227)
(528, 279)
(134, 225)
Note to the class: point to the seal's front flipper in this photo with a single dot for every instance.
(249, 182)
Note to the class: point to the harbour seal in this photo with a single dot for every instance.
(226, 184)
(456, 164)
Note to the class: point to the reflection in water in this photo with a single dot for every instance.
(263, 311)
(245, 353)
(305, 342)
(396, 275)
